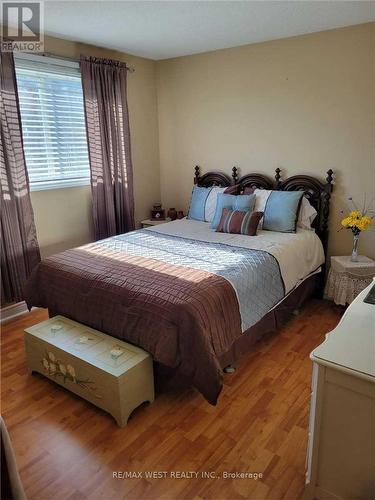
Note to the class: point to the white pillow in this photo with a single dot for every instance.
(210, 208)
(261, 197)
(306, 215)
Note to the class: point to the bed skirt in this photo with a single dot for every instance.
(167, 379)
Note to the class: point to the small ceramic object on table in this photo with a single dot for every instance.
(157, 212)
(172, 213)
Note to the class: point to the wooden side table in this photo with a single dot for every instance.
(346, 279)
(151, 222)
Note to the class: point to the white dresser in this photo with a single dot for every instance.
(341, 447)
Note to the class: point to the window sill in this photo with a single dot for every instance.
(43, 186)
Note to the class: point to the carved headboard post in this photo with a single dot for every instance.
(326, 197)
(277, 178)
(235, 174)
(196, 175)
(322, 226)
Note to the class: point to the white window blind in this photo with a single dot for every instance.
(53, 123)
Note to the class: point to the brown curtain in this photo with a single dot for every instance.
(19, 245)
(108, 138)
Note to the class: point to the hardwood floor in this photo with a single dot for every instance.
(68, 449)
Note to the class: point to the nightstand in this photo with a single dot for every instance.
(346, 279)
(150, 222)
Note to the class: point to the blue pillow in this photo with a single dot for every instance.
(198, 203)
(243, 203)
(281, 211)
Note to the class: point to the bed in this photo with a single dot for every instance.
(193, 298)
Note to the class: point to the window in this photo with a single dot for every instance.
(53, 122)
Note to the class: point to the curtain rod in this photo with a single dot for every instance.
(131, 69)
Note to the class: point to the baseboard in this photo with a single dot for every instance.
(321, 493)
(10, 312)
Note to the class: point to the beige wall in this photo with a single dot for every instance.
(304, 104)
(63, 216)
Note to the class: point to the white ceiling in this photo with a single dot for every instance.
(163, 29)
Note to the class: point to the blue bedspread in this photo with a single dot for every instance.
(254, 274)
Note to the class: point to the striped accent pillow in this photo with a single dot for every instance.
(238, 222)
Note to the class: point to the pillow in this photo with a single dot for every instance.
(239, 222)
(211, 202)
(236, 189)
(203, 203)
(262, 196)
(307, 214)
(233, 189)
(281, 211)
(239, 202)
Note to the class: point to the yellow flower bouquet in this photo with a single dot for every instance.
(357, 221)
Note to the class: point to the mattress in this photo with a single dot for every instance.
(298, 254)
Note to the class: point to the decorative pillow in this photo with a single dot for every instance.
(261, 197)
(236, 189)
(307, 214)
(211, 202)
(233, 189)
(203, 203)
(239, 222)
(281, 211)
(239, 202)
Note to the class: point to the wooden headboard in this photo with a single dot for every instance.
(318, 192)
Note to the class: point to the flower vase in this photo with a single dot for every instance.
(354, 257)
